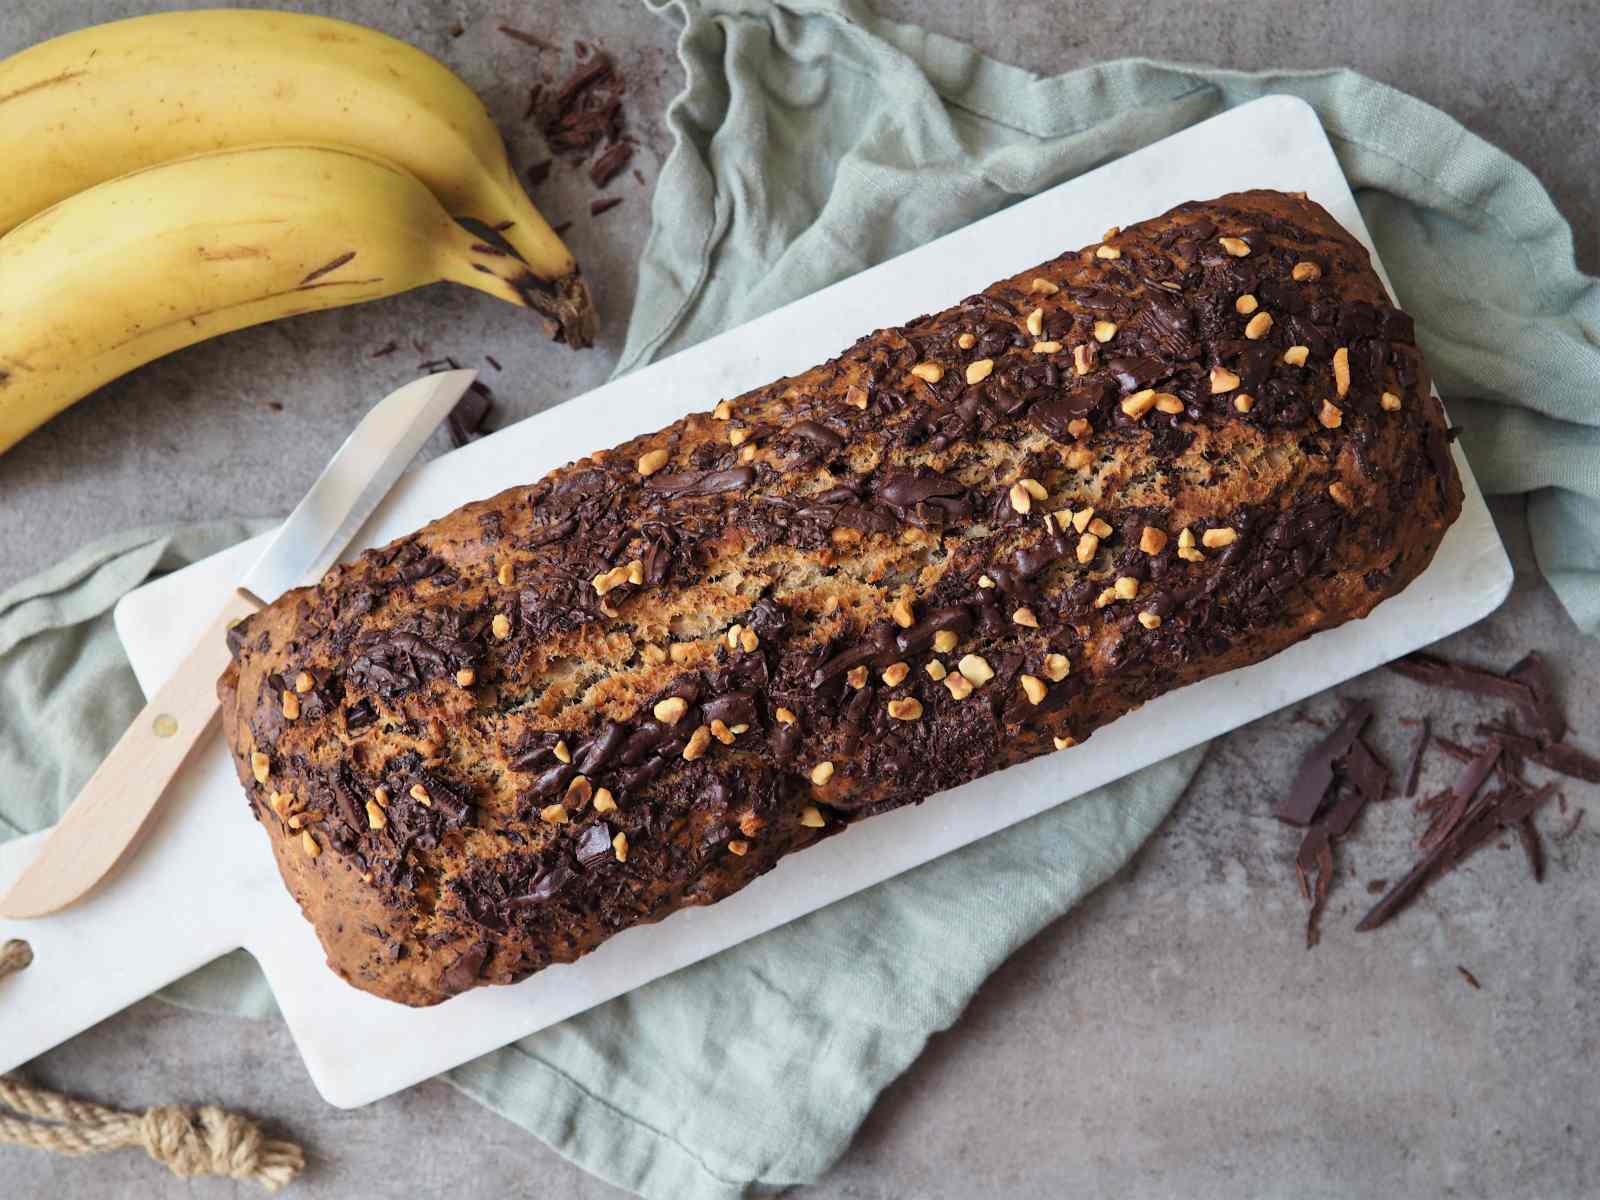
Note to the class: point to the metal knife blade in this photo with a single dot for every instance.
(107, 815)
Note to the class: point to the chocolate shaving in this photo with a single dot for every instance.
(1485, 818)
(1528, 834)
(611, 163)
(1542, 711)
(386, 349)
(1310, 785)
(1472, 980)
(1414, 765)
(1569, 760)
(603, 205)
(527, 39)
(1572, 828)
(1466, 787)
(1437, 672)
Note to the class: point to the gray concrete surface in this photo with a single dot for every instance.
(1171, 1037)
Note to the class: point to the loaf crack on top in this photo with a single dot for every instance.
(636, 684)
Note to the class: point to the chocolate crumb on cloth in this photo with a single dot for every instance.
(959, 544)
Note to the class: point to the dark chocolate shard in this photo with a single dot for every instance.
(1546, 716)
(1461, 795)
(1472, 980)
(1414, 765)
(1569, 760)
(1438, 672)
(466, 419)
(1310, 785)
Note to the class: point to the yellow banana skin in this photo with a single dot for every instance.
(105, 101)
(151, 262)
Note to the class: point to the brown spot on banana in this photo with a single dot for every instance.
(326, 267)
(40, 84)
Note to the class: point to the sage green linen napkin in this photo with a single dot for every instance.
(814, 140)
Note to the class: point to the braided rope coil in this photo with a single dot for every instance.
(188, 1140)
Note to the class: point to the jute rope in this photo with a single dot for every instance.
(188, 1140)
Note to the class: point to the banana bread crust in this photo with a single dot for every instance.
(635, 685)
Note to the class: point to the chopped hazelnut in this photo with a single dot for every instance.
(1222, 380)
(895, 673)
(1088, 547)
(750, 824)
(738, 847)
(1215, 539)
(619, 846)
(652, 461)
(1258, 326)
(720, 731)
(303, 682)
(1035, 322)
(1139, 403)
(985, 582)
(811, 817)
(1295, 356)
(975, 669)
(1330, 416)
(1078, 427)
(738, 436)
(420, 795)
(821, 773)
(578, 792)
(1104, 331)
(1190, 554)
(1111, 233)
(1020, 500)
(1341, 372)
(1025, 618)
(309, 844)
(1107, 252)
(1341, 494)
(1081, 519)
(960, 686)
(670, 711)
(280, 801)
(1149, 620)
(1126, 587)
(1034, 687)
(1043, 286)
(1235, 246)
(604, 801)
(501, 626)
(1083, 358)
(1065, 743)
(507, 575)
(1108, 596)
(653, 654)
(945, 640)
(1152, 540)
(932, 372)
(908, 709)
(562, 753)
(855, 397)
(978, 371)
(1243, 402)
(1305, 271)
(748, 640)
(636, 571)
(784, 716)
(967, 341)
(375, 815)
(1167, 403)
(1034, 488)
(1099, 528)
(680, 652)
(1056, 667)
(466, 677)
(260, 765)
(1245, 305)
(291, 706)
(900, 612)
(935, 669)
(699, 742)
(723, 411)
(553, 814)
(856, 677)
(734, 631)
(1047, 347)
(1390, 402)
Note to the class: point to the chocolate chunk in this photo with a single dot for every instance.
(1310, 785)
(466, 419)
(1414, 764)
(602, 748)
(817, 434)
(702, 483)
(463, 972)
(594, 845)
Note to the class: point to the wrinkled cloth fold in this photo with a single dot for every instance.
(814, 139)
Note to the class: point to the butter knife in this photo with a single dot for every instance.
(107, 815)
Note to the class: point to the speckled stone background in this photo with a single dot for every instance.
(1172, 1036)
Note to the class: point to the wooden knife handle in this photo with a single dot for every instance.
(113, 806)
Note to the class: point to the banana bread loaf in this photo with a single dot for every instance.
(638, 683)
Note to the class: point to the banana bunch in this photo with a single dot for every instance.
(173, 177)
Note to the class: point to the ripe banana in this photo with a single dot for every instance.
(145, 264)
(112, 99)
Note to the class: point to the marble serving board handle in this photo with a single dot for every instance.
(205, 881)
